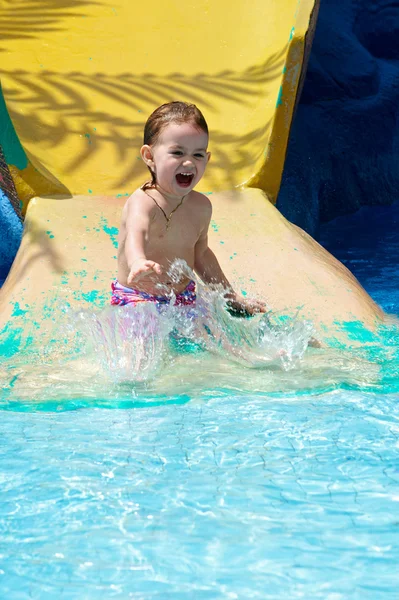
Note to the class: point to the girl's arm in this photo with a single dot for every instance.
(207, 267)
(138, 218)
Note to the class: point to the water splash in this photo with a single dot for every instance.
(131, 343)
(135, 343)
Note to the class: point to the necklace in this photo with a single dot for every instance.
(168, 219)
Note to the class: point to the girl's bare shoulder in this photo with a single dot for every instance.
(202, 202)
(139, 201)
(138, 196)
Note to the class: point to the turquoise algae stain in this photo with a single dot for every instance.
(372, 343)
(80, 274)
(50, 234)
(280, 97)
(356, 330)
(10, 341)
(111, 231)
(11, 337)
(93, 297)
(18, 311)
(280, 92)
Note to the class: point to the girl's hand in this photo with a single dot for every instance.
(140, 268)
(246, 306)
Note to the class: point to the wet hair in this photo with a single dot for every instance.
(172, 112)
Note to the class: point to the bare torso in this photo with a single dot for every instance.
(164, 243)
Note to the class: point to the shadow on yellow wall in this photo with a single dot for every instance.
(57, 108)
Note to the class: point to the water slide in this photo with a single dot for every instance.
(79, 78)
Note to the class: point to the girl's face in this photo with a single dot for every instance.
(178, 158)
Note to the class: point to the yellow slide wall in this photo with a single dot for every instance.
(80, 78)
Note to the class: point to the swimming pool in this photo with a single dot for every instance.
(220, 481)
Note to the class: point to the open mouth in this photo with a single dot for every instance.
(184, 179)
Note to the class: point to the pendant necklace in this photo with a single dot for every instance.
(168, 219)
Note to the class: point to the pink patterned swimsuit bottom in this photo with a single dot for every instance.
(122, 295)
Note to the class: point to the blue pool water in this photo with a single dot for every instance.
(219, 481)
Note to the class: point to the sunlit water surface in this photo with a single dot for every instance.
(236, 462)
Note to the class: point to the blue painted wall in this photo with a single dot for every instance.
(11, 232)
(344, 146)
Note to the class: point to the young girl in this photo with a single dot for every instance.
(166, 219)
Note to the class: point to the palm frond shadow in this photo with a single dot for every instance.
(31, 19)
(39, 240)
(59, 107)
